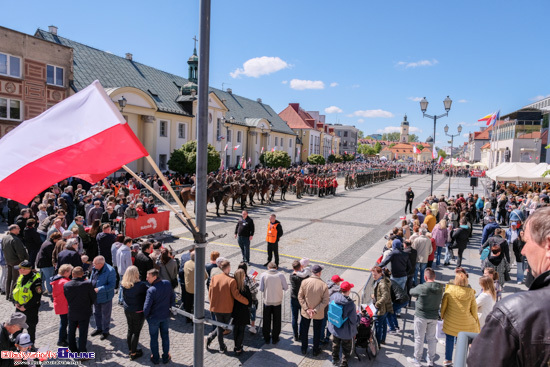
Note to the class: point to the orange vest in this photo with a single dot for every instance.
(271, 233)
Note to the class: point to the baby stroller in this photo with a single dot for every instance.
(366, 336)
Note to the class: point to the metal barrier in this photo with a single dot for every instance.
(462, 344)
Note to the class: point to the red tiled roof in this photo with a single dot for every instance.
(486, 146)
(296, 119)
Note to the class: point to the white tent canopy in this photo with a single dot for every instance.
(530, 172)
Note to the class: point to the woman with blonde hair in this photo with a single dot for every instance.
(133, 300)
(439, 234)
(241, 313)
(458, 311)
(406, 229)
(486, 299)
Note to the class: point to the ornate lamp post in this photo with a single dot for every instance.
(423, 107)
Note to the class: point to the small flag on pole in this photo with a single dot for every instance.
(262, 152)
(415, 149)
(434, 152)
(237, 147)
(225, 149)
(440, 160)
(273, 149)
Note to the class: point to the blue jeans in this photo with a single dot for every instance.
(381, 326)
(244, 244)
(438, 251)
(521, 271)
(154, 327)
(304, 330)
(402, 281)
(295, 309)
(420, 267)
(449, 346)
(392, 317)
(102, 315)
(63, 324)
(253, 307)
(46, 274)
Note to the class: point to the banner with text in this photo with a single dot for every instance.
(147, 224)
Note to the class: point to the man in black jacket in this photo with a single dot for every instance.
(409, 197)
(143, 261)
(44, 261)
(412, 258)
(105, 241)
(519, 323)
(14, 252)
(244, 231)
(81, 296)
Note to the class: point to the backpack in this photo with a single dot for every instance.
(398, 294)
(335, 313)
(485, 253)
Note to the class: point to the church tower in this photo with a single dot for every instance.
(404, 138)
(193, 63)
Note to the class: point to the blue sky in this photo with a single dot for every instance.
(366, 62)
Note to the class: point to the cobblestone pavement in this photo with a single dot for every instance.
(336, 231)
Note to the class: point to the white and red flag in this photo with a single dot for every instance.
(262, 152)
(440, 160)
(237, 147)
(83, 136)
(273, 149)
(434, 152)
(415, 149)
(225, 149)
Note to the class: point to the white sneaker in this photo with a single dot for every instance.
(414, 361)
(252, 329)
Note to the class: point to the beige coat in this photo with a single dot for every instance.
(423, 247)
(313, 294)
(189, 271)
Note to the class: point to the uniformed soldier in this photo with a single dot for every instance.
(26, 295)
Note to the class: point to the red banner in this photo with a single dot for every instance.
(135, 192)
(147, 224)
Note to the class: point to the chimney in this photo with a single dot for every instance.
(259, 100)
(53, 30)
(129, 56)
(229, 90)
(295, 106)
(482, 128)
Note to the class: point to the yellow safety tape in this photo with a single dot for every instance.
(285, 255)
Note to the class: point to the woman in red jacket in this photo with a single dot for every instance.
(60, 305)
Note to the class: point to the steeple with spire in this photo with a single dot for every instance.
(193, 63)
(404, 137)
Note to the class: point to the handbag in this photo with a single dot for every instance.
(439, 334)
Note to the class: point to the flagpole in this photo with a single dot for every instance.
(171, 190)
(202, 160)
(163, 200)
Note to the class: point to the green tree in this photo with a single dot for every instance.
(545, 121)
(391, 136)
(184, 160)
(391, 145)
(413, 138)
(331, 158)
(441, 153)
(348, 157)
(360, 135)
(420, 147)
(316, 159)
(277, 159)
(378, 147)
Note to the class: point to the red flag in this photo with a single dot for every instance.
(237, 147)
(83, 136)
(273, 149)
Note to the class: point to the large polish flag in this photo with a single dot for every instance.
(83, 136)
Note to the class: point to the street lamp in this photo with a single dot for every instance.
(451, 164)
(424, 107)
(122, 103)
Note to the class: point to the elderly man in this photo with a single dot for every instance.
(313, 297)
(423, 247)
(519, 323)
(15, 323)
(430, 220)
(14, 252)
(103, 279)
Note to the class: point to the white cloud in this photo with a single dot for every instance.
(415, 99)
(539, 97)
(333, 84)
(416, 64)
(285, 82)
(299, 84)
(259, 66)
(397, 129)
(333, 109)
(372, 114)
(462, 101)
(477, 123)
(466, 135)
(360, 121)
(355, 86)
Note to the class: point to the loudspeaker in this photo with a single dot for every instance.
(473, 181)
